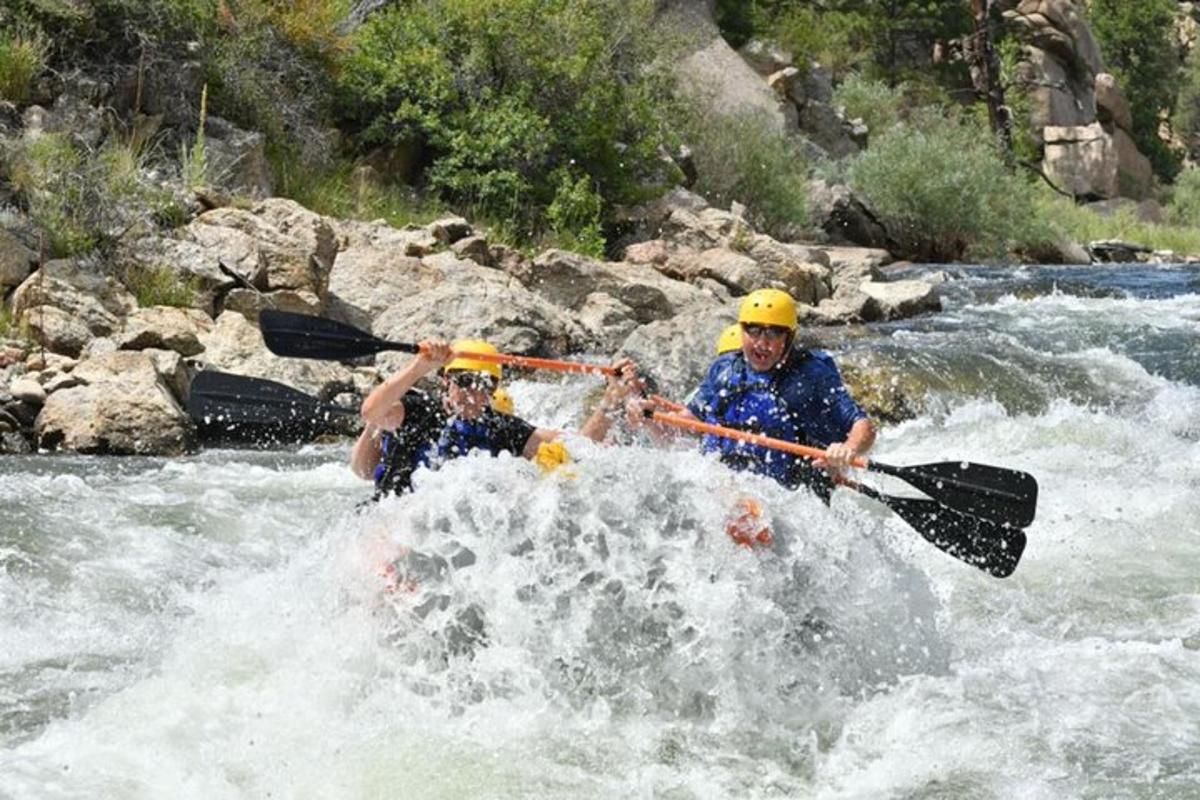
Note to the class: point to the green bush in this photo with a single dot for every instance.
(1184, 208)
(499, 95)
(877, 104)
(747, 159)
(941, 190)
(22, 58)
(574, 215)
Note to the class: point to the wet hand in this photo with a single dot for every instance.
(838, 457)
(434, 353)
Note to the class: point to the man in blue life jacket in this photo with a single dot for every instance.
(769, 386)
(425, 431)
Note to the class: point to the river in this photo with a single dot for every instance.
(217, 626)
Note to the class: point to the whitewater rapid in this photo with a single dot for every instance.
(218, 627)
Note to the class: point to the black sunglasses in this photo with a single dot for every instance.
(765, 332)
(472, 380)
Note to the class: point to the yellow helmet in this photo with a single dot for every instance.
(502, 402)
(464, 363)
(768, 307)
(730, 339)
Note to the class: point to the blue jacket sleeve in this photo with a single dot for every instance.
(828, 412)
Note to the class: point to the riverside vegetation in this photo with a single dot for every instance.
(542, 129)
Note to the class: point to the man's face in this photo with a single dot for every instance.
(763, 345)
(469, 393)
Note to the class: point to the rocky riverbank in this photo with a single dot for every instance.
(97, 373)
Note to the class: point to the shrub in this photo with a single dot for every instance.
(500, 95)
(1184, 208)
(22, 58)
(574, 215)
(941, 190)
(747, 159)
(876, 103)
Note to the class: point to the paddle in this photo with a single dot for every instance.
(1004, 496)
(993, 548)
(991, 545)
(302, 336)
(226, 403)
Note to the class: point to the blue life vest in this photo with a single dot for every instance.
(490, 432)
(750, 401)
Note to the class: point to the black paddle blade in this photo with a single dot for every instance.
(261, 411)
(302, 336)
(1005, 496)
(994, 548)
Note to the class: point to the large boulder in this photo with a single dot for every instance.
(66, 303)
(568, 279)
(16, 261)
(368, 279)
(1092, 161)
(496, 307)
(164, 328)
(121, 406)
(678, 351)
(282, 244)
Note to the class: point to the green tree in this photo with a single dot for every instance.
(1185, 120)
(1136, 40)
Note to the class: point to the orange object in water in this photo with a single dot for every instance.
(394, 578)
(747, 526)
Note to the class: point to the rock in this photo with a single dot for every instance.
(66, 303)
(765, 57)
(250, 303)
(716, 78)
(845, 220)
(164, 327)
(491, 306)
(16, 261)
(1111, 105)
(474, 248)
(1088, 161)
(1115, 251)
(825, 126)
(654, 251)
(607, 319)
(237, 159)
(367, 280)
(902, 299)
(294, 247)
(449, 230)
(678, 351)
(566, 279)
(123, 408)
(14, 444)
(194, 262)
(27, 390)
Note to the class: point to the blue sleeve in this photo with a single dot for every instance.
(828, 411)
(704, 399)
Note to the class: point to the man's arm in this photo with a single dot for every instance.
(367, 452)
(378, 408)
